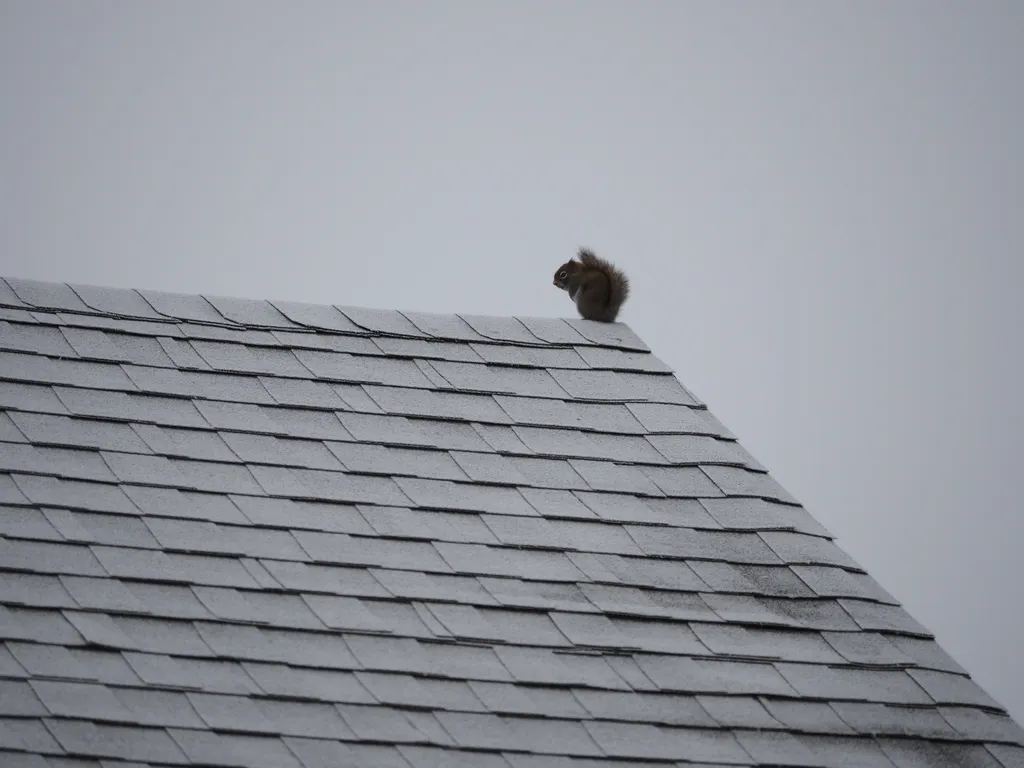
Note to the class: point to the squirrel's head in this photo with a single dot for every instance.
(564, 272)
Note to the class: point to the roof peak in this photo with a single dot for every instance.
(273, 314)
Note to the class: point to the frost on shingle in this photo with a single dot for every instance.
(241, 533)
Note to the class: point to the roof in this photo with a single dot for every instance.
(278, 535)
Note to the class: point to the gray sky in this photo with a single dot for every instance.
(819, 206)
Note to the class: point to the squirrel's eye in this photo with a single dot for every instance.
(563, 274)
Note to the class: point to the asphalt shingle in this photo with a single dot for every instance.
(247, 533)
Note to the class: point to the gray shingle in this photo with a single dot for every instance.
(46, 295)
(742, 548)
(115, 301)
(619, 478)
(126, 742)
(42, 340)
(241, 750)
(30, 397)
(86, 433)
(317, 316)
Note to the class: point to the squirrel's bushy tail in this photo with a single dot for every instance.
(618, 284)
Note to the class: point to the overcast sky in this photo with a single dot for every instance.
(819, 206)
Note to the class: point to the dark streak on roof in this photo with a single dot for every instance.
(275, 535)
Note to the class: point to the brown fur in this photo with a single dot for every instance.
(597, 286)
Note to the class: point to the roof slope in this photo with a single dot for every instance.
(273, 535)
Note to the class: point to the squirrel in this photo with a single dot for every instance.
(597, 286)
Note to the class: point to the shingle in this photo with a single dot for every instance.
(763, 642)
(595, 536)
(538, 665)
(131, 407)
(39, 625)
(239, 750)
(743, 548)
(94, 344)
(127, 742)
(799, 548)
(317, 516)
(507, 698)
(42, 340)
(638, 602)
(25, 523)
(63, 462)
(552, 330)
(318, 316)
(46, 295)
(620, 478)
(891, 687)
(19, 699)
(1008, 756)
(21, 734)
(464, 662)
(537, 411)
(399, 522)
(556, 503)
(618, 386)
(514, 627)
(195, 674)
(527, 564)
(621, 507)
(302, 393)
(437, 757)
(713, 676)
(560, 443)
(168, 502)
(11, 494)
(267, 449)
(239, 358)
(683, 482)
(445, 494)
(926, 653)
(84, 700)
(868, 648)
(948, 688)
(511, 380)
(536, 594)
(61, 430)
(917, 754)
(34, 590)
(441, 405)
(608, 334)
(140, 350)
(433, 586)
(645, 741)
(644, 707)
(777, 581)
(738, 712)
(217, 477)
(30, 397)
(824, 615)
(890, 618)
(735, 481)
(554, 736)
(977, 724)
(479, 731)
(182, 354)
(806, 716)
(185, 443)
(665, 418)
(525, 356)
(324, 578)
(380, 459)
(257, 607)
(49, 557)
(153, 707)
(878, 719)
(621, 360)
(115, 301)
(389, 553)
